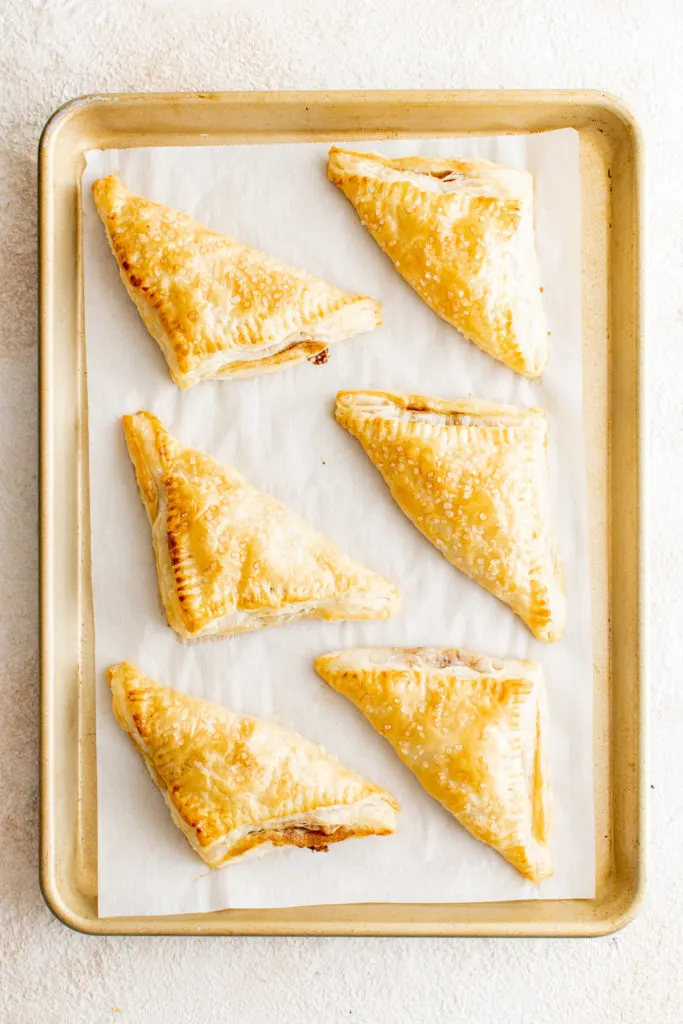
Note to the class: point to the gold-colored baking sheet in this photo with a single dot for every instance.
(613, 369)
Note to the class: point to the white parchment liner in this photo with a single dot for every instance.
(278, 430)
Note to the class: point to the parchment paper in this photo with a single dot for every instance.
(278, 430)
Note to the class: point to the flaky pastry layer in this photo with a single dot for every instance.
(218, 308)
(473, 478)
(461, 233)
(473, 729)
(237, 785)
(231, 558)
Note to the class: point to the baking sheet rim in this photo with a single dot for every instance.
(608, 916)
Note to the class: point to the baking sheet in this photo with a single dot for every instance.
(278, 430)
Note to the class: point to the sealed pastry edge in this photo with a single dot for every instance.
(455, 660)
(401, 405)
(492, 178)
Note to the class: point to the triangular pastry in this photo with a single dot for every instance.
(473, 478)
(473, 731)
(216, 307)
(461, 233)
(231, 558)
(234, 783)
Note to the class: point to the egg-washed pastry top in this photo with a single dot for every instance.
(472, 476)
(232, 558)
(216, 307)
(461, 233)
(473, 729)
(236, 784)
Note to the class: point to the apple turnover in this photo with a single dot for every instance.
(473, 478)
(218, 308)
(473, 729)
(232, 558)
(461, 233)
(236, 784)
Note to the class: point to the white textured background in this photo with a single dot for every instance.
(51, 50)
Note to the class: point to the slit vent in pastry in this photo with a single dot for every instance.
(473, 478)
(236, 784)
(461, 233)
(218, 308)
(471, 728)
(232, 558)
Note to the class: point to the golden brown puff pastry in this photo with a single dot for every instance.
(234, 783)
(473, 478)
(231, 558)
(473, 731)
(218, 308)
(461, 233)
